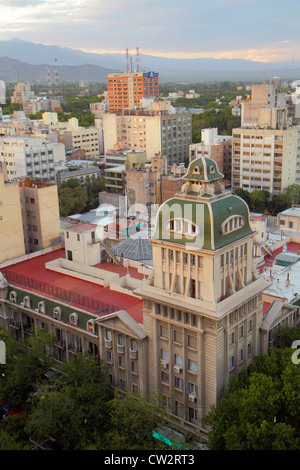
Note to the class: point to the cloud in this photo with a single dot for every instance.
(172, 26)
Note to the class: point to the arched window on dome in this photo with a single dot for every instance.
(235, 222)
(182, 228)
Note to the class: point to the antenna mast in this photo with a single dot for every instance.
(137, 60)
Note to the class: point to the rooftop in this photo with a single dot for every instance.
(33, 275)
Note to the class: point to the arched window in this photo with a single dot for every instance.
(57, 313)
(91, 326)
(13, 296)
(26, 301)
(42, 307)
(232, 223)
(74, 318)
(183, 228)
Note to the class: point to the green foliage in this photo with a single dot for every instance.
(261, 410)
(74, 198)
(26, 362)
(132, 421)
(222, 118)
(73, 407)
(284, 337)
(72, 201)
(261, 200)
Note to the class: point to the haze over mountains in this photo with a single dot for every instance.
(22, 60)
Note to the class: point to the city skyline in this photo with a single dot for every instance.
(196, 29)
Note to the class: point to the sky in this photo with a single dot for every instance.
(258, 30)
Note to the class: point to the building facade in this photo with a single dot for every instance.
(28, 156)
(182, 329)
(265, 158)
(125, 90)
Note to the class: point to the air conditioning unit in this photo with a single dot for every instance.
(22, 304)
(37, 310)
(192, 397)
(164, 365)
(177, 369)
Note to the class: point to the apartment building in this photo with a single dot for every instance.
(40, 214)
(22, 93)
(11, 225)
(265, 158)
(28, 156)
(125, 90)
(76, 136)
(154, 132)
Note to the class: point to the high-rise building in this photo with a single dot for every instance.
(154, 131)
(125, 90)
(267, 159)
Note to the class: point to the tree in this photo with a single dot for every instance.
(74, 407)
(72, 200)
(132, 421)
(261, 409)
(26, 362)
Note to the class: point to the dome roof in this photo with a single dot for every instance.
(203, 169)
(205, 224)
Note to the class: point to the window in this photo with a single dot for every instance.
(163, 331)
(164, 354)
(178, 383)
(74, 318)
(192, 366)
(121, 360)
(108, 335)
(192, 341)
(178, 360)
(13, 297)
(232, 223)
(165, 378)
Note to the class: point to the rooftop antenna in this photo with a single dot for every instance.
(127, 62)
(137, 60)
(49, 80)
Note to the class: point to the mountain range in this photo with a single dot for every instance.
(23, 60)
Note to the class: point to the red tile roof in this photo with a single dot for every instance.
(33, 275)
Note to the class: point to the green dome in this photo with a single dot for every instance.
(203, 169)
(209, 225)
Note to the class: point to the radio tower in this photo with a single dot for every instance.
(49, 80)
(56, 76)
(137, 60)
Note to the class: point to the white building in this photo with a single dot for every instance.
(29, 156)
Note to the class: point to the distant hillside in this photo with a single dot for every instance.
(76, 65)
(14, 70)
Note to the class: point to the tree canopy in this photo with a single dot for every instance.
(261, 409)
